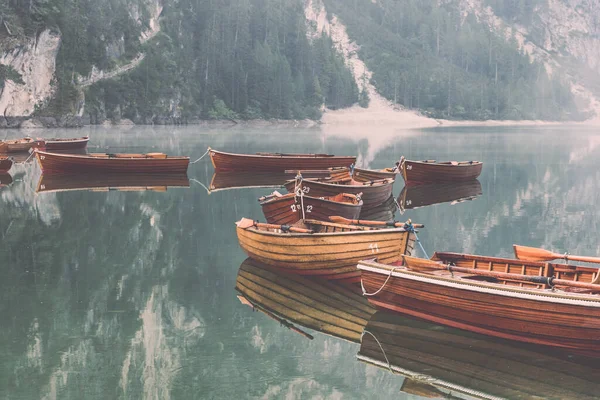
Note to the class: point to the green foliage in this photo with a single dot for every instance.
(427, 56)
(220, 111)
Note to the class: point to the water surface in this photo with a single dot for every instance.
(130, 295)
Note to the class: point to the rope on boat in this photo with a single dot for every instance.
(201, 157)
(381, 347)
(300, 193)
(410, 228)
(364, 291)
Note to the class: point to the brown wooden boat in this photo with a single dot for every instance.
(382, 212)
(364, 175)
(329, 307)
(276, 161)
(5, 164)
(5, 179)
(415, 196)
(21, 145)
(443, 362)
(288, 208)
(326, 249)
(373, 192)
(53, 144)
(427, 171)
(550, 304)
(112, 181)
(111, 163)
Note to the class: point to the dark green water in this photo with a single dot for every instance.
(130, 295)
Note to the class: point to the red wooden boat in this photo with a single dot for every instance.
(66, 144)
(417, 172)
(550, 304)
(326, 249)
(415, 196)
(5, 164)
(21, 145)
(276, 161)
(441, 362)
(373, 192)
(329, 307)
(382, 212)
(112, 181)
(110, 163)
(288, 209)
(363, 174)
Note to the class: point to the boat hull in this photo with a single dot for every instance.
(569, 321)
(465, 363)
(382, 212)
(372, 194)
(328, 255)
(288, 209)
(280, 163)
(5, 164)
(415, 196)
(66, 144)
(418, 172)
(20, 146)
(324, 306)
(364, 175)
(70, 163)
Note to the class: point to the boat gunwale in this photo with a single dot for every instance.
(532, 294)
(67, 140)
(274, 156)
(448, 163)
(383, 230)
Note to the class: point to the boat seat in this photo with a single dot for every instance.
(126, 155)
(454, 163)
(157, 155)
(99, 155)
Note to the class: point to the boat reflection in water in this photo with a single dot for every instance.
(106, 182)
(5, 179)
(416, 196)
(323, 306)
(439, 361)
(382, 212)
(248, 180)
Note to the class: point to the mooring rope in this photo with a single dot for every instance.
(201, 184)
(381, 347)
(410, 228)
(201, 157)
(364, 291)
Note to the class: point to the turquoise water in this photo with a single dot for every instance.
(127, 295)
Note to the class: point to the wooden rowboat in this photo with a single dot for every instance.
(66, 144)
(5, 164)
(364, 175)
(329, 307)
(550, 304)
(331, 252)
(113, 181)
(418, 172)
(455, 364)
(111, 163)
(415, 196)
(373, 192)
(288, 209)
(21, 145)
(381, 212)
(276, 161)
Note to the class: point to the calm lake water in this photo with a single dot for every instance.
(130, 295)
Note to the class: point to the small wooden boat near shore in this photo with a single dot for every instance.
(290, 208)
(276, 162)
(324, 249)
(418, 172)
(21, 145)
(415, 196)
(373, 192)
(443, 362)
(328, 307)
(112, 181)
(5, 164)
(111, 163)
(364, 175)
(66, 143)
(555, 305)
